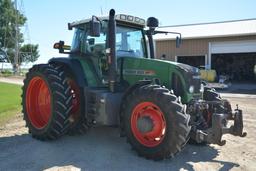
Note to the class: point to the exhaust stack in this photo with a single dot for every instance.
(112, 50)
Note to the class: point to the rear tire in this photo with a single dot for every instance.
(78, 121)
(46, 102)
(170, 123)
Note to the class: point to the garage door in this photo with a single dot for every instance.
(237, 59)
(233, 47)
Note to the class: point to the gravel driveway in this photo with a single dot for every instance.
(103, 149)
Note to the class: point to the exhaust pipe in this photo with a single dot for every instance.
(112, 50)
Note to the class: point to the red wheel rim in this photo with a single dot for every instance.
(75, 99)
(38, 102)
(155, 136)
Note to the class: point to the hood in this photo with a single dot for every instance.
(184, 67)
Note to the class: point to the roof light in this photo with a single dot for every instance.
(130, 18)
(137, 20)
(123, 17)
(142, 21)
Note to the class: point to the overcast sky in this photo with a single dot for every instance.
(47, 19)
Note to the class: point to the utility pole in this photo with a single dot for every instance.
(16, 57)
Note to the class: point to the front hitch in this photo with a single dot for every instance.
(214, 134)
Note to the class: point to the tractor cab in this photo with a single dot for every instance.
(130, 40)
(133, 57)
(93, 46)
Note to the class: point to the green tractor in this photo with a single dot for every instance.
(110, 79)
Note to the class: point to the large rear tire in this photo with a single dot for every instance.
(78, 121)
(46, 102)
(165, 129)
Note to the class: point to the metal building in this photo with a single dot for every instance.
(228, 47)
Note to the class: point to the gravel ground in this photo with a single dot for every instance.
(103, 149)
(12, 80)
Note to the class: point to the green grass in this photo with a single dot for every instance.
(9, 101)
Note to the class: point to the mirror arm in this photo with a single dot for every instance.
(166, 32)
(178, 38)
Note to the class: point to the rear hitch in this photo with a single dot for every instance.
(219, 127)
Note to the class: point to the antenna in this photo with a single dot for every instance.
(101, 10)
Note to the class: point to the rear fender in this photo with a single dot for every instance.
(73, 66)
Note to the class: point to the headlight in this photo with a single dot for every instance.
(191, 89)
(202, 88)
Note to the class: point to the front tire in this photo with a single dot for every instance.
(211, 94)
(165, 129)
(224, 107)
(46, 102)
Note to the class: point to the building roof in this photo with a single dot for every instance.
(209, 30)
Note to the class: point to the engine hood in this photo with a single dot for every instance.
(181, 66)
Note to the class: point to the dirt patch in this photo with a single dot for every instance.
(13, 80)
(14, 127)
(102, 149)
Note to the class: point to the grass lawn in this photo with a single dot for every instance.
(9, 101)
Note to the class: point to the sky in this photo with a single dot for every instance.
(47, 19)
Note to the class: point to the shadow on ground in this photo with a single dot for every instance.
(100, 149)
(240, 88)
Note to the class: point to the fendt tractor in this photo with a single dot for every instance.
(112, 78)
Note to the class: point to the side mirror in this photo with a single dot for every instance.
(178, 41)
(95, 27)
(62, 47)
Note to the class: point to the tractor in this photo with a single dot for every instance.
(112, 78)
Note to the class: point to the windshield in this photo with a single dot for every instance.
(129, 41)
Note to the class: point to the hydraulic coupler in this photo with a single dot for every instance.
(219, 127)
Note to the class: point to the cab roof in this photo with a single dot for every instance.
(121, 18)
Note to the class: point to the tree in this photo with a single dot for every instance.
(9, 19)
(3, 56)
(29, 53)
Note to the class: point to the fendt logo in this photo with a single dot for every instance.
(139, 72)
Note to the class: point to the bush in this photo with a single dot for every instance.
(6, 73)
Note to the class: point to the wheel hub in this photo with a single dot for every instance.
(148, 124)
(145, 124)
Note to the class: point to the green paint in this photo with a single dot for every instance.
(135, 69)
(92, 77)
(162, 70)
